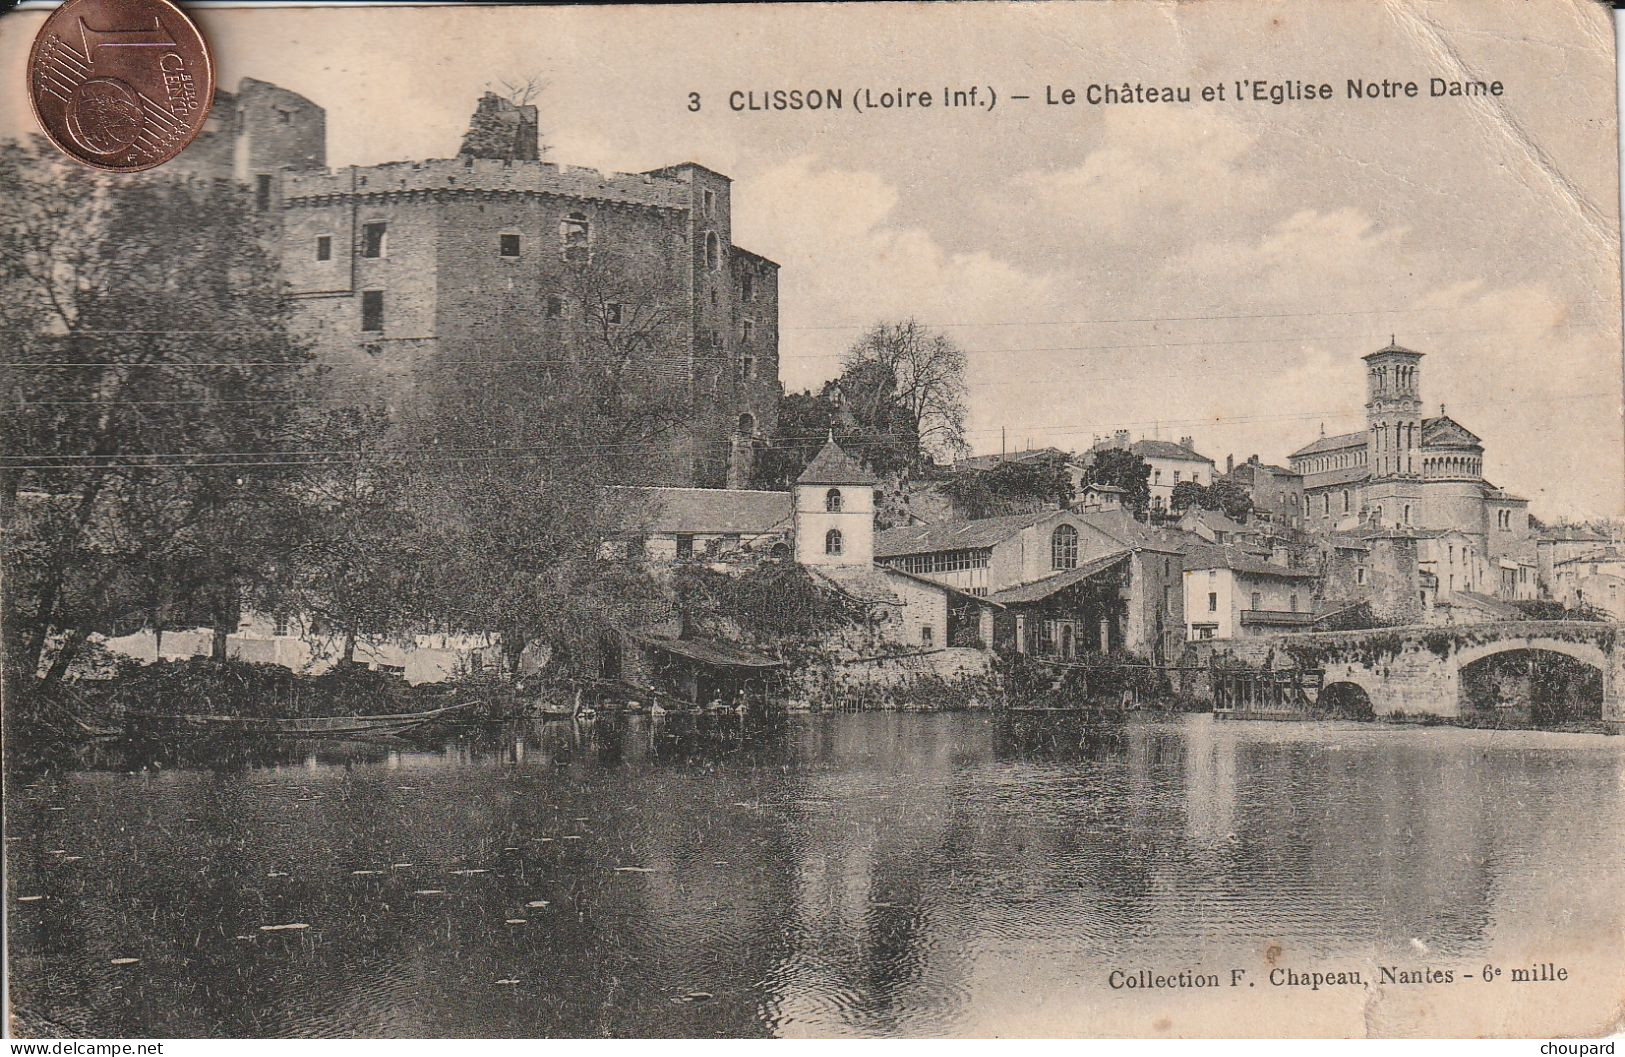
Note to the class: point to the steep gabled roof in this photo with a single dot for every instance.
(832, 465)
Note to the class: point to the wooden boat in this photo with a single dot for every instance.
(310, 727)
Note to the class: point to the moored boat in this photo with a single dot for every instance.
(134, 721)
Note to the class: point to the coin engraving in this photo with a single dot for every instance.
(104, 115)
(120, 84)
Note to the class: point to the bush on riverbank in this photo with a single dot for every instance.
(242, 688)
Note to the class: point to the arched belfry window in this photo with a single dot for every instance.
(575, 237)
(713, 251)
(1063, 547)
(832, 500)
(832, 541)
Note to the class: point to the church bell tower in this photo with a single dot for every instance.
(1393, 413)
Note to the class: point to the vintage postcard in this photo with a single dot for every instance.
(1082, 520)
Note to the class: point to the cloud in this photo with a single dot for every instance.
(846, 263)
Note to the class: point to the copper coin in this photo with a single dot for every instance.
(120, 84)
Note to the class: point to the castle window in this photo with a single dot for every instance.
(710, 199)
(1213, 601)
(324, 247)
(747, 287)
(1063, 548)
(508, 245)
(612, 313)
(284, 116)
(927, 635)
(747, 368)
(1359, 574)
(747, 330)
(279, 627)
(713, 251)
(373, 239)
(1326, 504)
(832, 541)
(1293, 602)
(747, 424)
(1257, 600)
(685, 547)
(575, 237)
(1345, 500)
(372, 310)
(262, 192)
(555, 307)
(832, 500)
(1407, 518)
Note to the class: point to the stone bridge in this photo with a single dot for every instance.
(1418, 670)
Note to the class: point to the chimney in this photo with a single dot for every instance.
(1188, 442)
(1252, 460)
(1229, 463)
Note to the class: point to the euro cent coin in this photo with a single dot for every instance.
(120, 84)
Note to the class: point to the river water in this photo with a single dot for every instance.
(872, 874)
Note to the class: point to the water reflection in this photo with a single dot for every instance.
(869, 874)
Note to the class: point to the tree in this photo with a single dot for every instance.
(1188, 494)
(1031, 484)
(876, 432)
(1126, 470)
(1222, 495)
(154, 391)
(906, 367)
(354, 573)
(514, 508)
(1231, 498)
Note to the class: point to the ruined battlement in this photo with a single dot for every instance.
(469, 174)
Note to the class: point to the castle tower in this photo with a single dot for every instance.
(1393, 412)
(835, 510)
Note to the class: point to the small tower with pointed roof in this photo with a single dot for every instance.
(835, 510)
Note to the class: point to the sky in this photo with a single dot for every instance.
(1204, 270)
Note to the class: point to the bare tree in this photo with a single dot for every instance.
(926, 374)
(523, 91)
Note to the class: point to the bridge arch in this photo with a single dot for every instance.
(1346, 699)
(1586, 652)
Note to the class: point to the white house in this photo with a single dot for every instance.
(1231, 595)
(835, 541)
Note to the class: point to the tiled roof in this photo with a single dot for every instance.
(1444, 431)
(1120, 525)
(1237, 561)
(1609, 554)
(1217, 520)
(1333, 478)
(1336, 442)
(1166, 449)
(832, 465)
(1392, 346)
(1041, 589)
(952, 535)
(1493, 606)
(987, 462)
(703, 510)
